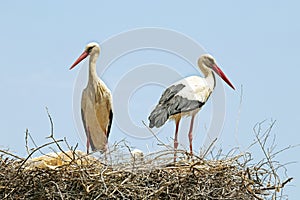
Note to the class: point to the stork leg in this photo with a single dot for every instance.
(105, 153)
(191, 134)
(177, 120)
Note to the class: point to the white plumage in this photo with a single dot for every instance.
(196, 88)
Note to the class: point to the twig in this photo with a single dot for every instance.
(51, 123)
(26, 141)
(52, 136)
(70, 147)
(262, 145)
(10, 154)
(38, 148)
(160, 142)
(33, 142)
(208, 149)
(155, 193)
(279, 186)
(59, 191)
(253, 193)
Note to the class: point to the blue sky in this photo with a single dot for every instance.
(257, 45)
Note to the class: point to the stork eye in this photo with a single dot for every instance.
(90, 49)
(210, 60)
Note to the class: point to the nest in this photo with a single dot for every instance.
(79, 176)
(73, 174)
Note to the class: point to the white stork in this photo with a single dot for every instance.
(96, 103)
(186, 97)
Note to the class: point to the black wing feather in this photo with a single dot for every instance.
(110, 122)
(171, 104)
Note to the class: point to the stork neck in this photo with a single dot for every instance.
(92, 67)
(211, 80)
(209, 76)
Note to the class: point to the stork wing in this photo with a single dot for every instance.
(170, 92)
(102, 107)
(183, 96)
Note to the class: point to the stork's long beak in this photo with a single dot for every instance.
(222, 75)
(81, 57)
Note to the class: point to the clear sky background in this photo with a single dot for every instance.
(256, 43)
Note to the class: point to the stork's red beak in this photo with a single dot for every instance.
(222, 75)
(81, 57)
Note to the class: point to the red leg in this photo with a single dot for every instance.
(191, 134)
(88, 140)
(176, 137)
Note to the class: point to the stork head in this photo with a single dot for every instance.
(207, 62)
(90, 49)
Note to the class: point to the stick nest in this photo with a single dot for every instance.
(85, 177)
(73, 174)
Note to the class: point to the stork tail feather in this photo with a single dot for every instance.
(158, 117)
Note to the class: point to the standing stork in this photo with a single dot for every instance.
(96, 103)
(186, 97)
